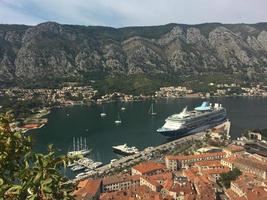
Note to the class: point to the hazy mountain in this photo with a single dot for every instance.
(51, 51)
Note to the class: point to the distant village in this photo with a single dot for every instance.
(72, 95)
(78, 95)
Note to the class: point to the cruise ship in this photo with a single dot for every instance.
(189, 122)
(125, 150)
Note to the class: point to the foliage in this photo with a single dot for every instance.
(28, 175)
(137, 84)
(226, 178)
(21, 109)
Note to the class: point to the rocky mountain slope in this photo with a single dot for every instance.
(51, 51)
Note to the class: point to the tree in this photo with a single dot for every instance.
(28, 175)
(226, 178)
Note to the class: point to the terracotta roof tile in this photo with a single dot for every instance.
(190, 157)
(147, 167)
(87, 187)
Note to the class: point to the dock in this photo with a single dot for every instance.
(146, 154)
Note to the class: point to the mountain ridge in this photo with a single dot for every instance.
(54, 52)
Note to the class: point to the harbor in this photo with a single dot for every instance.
(149, 153)
(210, 116)
(138, 128)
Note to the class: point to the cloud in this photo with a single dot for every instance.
(132, 12)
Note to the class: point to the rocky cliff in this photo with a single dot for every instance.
(51, 51)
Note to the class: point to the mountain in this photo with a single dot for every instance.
(55, 52)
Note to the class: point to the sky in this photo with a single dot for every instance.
(121, 13)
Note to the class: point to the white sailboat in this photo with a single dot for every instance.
(123, 108)
(103, 114)
(78, 148)
(151, 110)
(118, 121)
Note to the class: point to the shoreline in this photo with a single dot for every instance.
(47, 110)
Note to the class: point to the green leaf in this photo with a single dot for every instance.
(47, 189)
(1, 181)
(37, 177)
(14, 190)
(47, 181)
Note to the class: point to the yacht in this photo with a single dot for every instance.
(80, 175)
(79, 147)
(125, 150)
(77, 168)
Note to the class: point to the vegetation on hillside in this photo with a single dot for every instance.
(28, 175)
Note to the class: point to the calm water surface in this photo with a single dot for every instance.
(137, 128)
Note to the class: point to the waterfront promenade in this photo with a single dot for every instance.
(149, 153)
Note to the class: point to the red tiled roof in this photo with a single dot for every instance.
(252, 162)
(216, 171)
(209, 163)
(135, 193)
(147, 167)
(230, 159)
(186, 188)
(31, 126)
(234, 148)
(116, 179)
(190, 157)
(87, 187)
(252, 188)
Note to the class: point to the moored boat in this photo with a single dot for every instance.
(79, 147)
(189, 122)
(77, 168)
(125, 150)
(118, 121)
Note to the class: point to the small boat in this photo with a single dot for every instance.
(68, 114)
(85, 162)
(96, 165)
(118, 121)
(77, 168)
(113, 160)
(80, 175)
(103, 114)
(151, 110)
(123, 108)
(71, 164)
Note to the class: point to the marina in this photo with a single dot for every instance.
(147, 154)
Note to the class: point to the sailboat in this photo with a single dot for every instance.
(151, 110)
(123, 108)
(79, 148)
(118, 121)
(103, 114)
